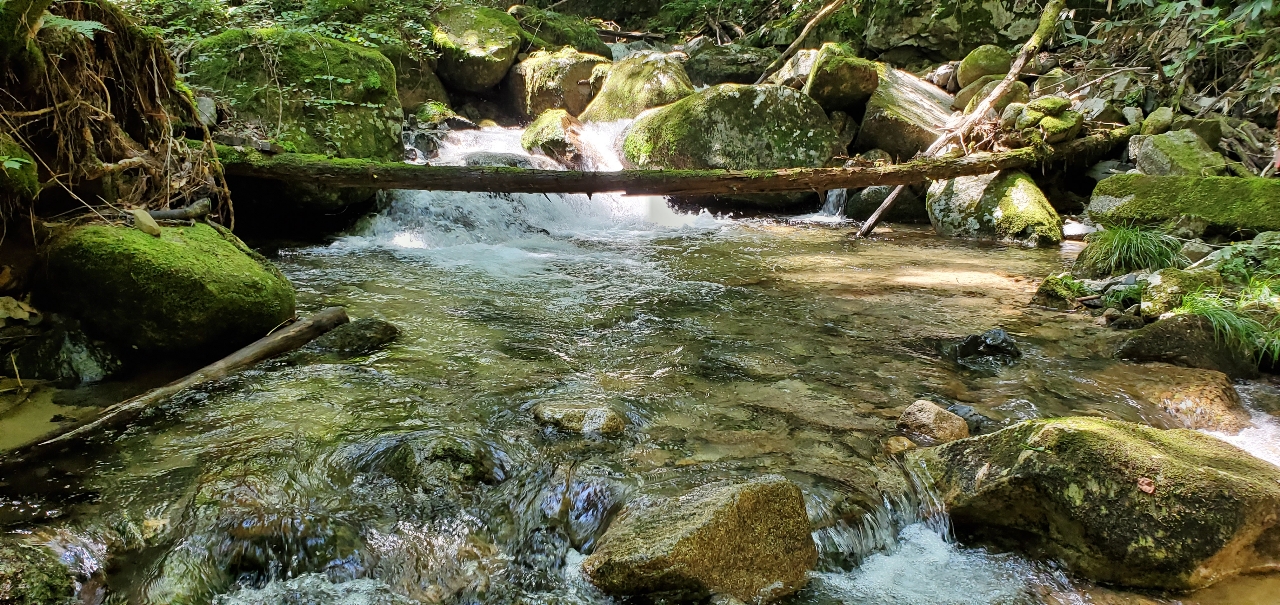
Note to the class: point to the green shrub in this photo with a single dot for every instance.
(1233, 324)
(1120, 249)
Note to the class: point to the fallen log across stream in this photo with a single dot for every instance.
(286, 339)
(332, 172)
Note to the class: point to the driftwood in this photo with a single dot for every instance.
(799, 42)
(287, 339)
(1048, 23)
(385, 175)
(198, 210)
(631, 35)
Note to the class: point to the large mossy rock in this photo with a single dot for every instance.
(193, 289)
(728, 64)
(1189, 341)
(1227, 203)
(477, 46)
(1166, 288)
(904, 115)
(564, 30)
(643, 80)
(308, 93)
(553, 80)
(795, 71)
(733, 127)
(1181, 152)
(1006, 206)
(986, 60)
(949, 28)
(840, 80)
(416, 79)
(32, 575)
(748, 540)
(556, 134)
(1116, 502)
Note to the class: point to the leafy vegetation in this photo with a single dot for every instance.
(8, 163)
(1234, 318)
(1121, 249)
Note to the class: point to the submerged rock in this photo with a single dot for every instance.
(1198, 399)
(1006, 205)
(1190, 341)
(65, 354)
(986, 351)
(728, 64)
(553, 80)
(477, 46)
(643, 80)
(316, 589)
(840, 80)
(354, 339)
(1181, 152)
(191, 289)
(1116, 502)
(904, 115)
(1227, 203)
(588, 420)
(750, 541)
(927, 421)
(987, 60)
(32, 575)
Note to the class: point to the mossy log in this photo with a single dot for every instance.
(331, 172)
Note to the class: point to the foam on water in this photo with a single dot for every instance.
(1263, 438)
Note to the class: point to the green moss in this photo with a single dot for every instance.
(1059, 292)
(19, 21)
(967, 93)
(477, 46)
(561, 30)
(32, 575)
(641, 81)
(316, 94)
(1050, 106)
(1227, 203)
(1024, 212)
(191, 289)
(1166, 288)
(840, 80)
(549, 80)
(735, 127)
(986, 60)
(18, 184)
(549, 133)
(1004, 206)
(1061, 128)
(1018, 92)
(1073, 489)
(1056, 81)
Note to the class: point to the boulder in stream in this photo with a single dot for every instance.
(1181, 152)
(728, 64)
(477, 46)
(1196, 398)
(1116, 502)
(643, 80)
(750, 541)
(556, 134)
(354, 339)
(904, 115)
(32, 575)
(986, 60)
(926, 421)
(1005, 205)
(1190, 341)
(553, 80)
(584, 419)
(987, 351)
(1166, 287)
(192, 289)
(840, 80)
(1227, 203)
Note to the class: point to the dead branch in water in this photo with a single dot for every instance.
(384, 175)
(288, 339)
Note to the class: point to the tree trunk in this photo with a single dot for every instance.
(364, 173)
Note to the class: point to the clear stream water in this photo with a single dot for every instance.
(733, 347)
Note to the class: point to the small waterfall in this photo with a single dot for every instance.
(1263, 438)
(834, 205)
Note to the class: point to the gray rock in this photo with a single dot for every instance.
(584, 419)
(1195, 250)
(904, 115)
(1190, 341)
(983, 352)
(1180, 152)
(795, 72)
(207, 111)
(66, 355)
(354, 339)
(1132, 115)
(1006, 206)
(732, 63)
(1076, 231)
(1099, 110)
(909, 208)
(926, 421)
(949, 28)
(750, 541)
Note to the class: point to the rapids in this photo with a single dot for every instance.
(734, 347)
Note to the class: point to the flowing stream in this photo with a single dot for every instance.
(732, 347)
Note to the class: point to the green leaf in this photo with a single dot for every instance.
(84, 29)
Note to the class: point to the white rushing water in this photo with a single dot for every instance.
(1263, 438)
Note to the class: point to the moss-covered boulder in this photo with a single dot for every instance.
(308, 93)
(416, 79)
(750, 541)
(795, 71)
(904, 115)
(559, 29)
(553, 80)
(947, 28)
(583, 419)
(1181, 152)
(643, 80)
(967, 93)
(1226, 203)
(19, 182)
(1059, 292)
(1054, 82)
(1116, 502)
(32, 575)
(728, 64)
(733, 127)
(1188, 341)
(1166, 287)
(1158, 122)
(556, 134)
(840, 80)
(193, 289)
(477, 46)
(986, 60)
(1006, 206)
(1018, 92)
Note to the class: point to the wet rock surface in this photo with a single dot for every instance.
(361, 337)
(1094, 493)
(748, 540)
(904, 116)
(643, 80)
(983, 352)
(926, 421)
(1186, 340)
(32, 575)
(587, 420)
(478, 45)
(1006, 205)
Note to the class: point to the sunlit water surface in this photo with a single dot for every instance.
(734, 348)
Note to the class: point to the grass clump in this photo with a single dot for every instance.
(1122, 297)
(1233, 318)
(1123, 249)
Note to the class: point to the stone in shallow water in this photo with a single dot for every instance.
(932, 424)
(65, 354)
(315, 589)
(1199, 399)
(747, 540)
(581, 419)
(1189, 341)
(360, 337)
(986, 351)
